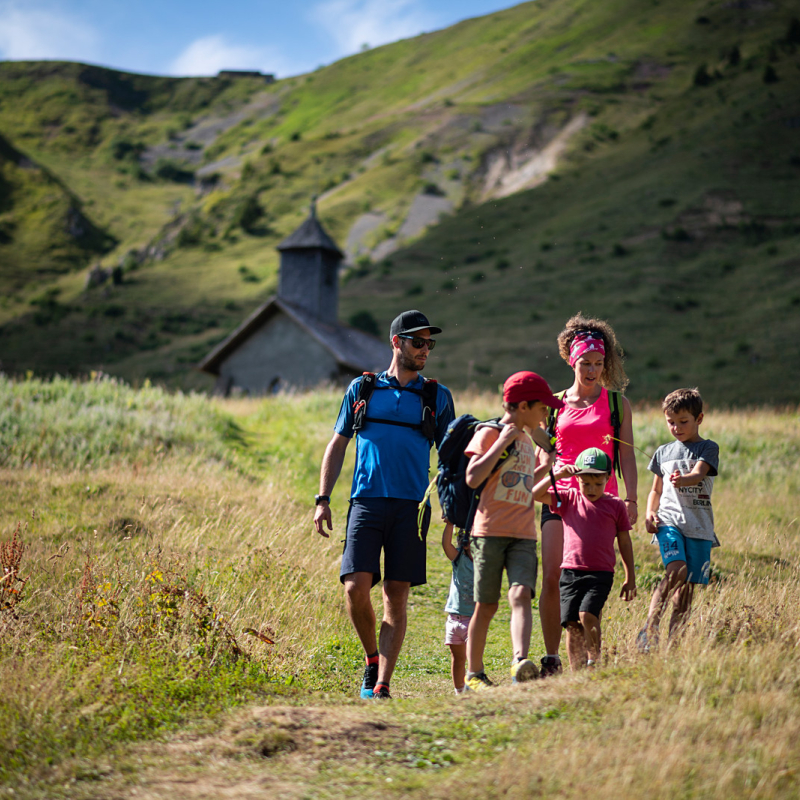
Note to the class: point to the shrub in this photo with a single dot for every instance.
(169, 170)
(247, 213)
(701, 76)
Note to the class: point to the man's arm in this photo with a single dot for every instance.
(627, 462)
(651, 520)
(699, 471)
(628, 591)
(331, 467)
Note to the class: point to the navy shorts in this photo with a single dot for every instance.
(388, 524)
(582, 590)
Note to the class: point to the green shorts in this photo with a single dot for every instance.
(493, 554)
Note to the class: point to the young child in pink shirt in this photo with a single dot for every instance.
(593, 521)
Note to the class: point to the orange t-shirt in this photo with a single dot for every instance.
(506, 506)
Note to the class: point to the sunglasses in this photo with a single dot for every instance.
(510, 479)
(418, 342)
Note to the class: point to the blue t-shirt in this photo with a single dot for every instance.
(393, 460)
(462, 586)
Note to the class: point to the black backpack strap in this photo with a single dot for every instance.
(430, 393)
(614, 404)
(365, 390)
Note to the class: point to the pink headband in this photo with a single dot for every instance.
(585, 342)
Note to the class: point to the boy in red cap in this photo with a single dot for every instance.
(504, 529)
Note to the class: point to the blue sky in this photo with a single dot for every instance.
(178, 37)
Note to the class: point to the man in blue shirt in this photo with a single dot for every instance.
(391, 475)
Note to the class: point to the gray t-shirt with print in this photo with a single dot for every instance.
(687, 508)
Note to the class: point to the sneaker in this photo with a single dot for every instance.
(382, 692)
(523, 670)
(551, 665)
(370, 679)
(479, 683)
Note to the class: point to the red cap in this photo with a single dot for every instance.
(529, 386)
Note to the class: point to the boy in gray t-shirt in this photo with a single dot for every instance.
(679, 513)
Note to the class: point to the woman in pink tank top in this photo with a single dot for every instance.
(590, 347)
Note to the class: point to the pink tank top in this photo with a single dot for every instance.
(577, 429)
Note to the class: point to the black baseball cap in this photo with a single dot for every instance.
(411, 322)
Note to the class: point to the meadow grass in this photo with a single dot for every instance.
(127, 665)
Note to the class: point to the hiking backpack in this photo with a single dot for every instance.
(459, 502)
(617, 413)
(428, 393)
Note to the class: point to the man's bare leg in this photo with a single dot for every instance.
(357, 586)
(393, 627)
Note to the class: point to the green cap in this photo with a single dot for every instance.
(593, 461)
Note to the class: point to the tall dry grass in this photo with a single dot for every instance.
(150, 578)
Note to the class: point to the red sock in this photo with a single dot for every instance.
(379, 686)
(373, 659)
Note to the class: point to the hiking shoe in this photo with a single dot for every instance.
(643, 641)
(370, 679)
(382, 692)
(479, 683)
(551, 665)
(523, 670)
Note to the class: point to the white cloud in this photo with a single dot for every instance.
(37, 33)
(352, 23)
(209, 54)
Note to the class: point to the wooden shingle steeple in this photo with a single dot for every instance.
(309, 269)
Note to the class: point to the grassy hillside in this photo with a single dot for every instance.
(43, 231)
(672, 209)
(157, 529)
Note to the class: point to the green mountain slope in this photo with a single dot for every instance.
(668, 132)
(43, 231)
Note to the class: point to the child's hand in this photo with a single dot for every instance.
(509, 434)
(651, 523)
(678, 480)
(566, 471)
(628, 591)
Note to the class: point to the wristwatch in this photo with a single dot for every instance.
(319, 498)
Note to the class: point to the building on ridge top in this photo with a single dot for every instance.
(294, 340)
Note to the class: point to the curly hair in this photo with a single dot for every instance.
(613, 376)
